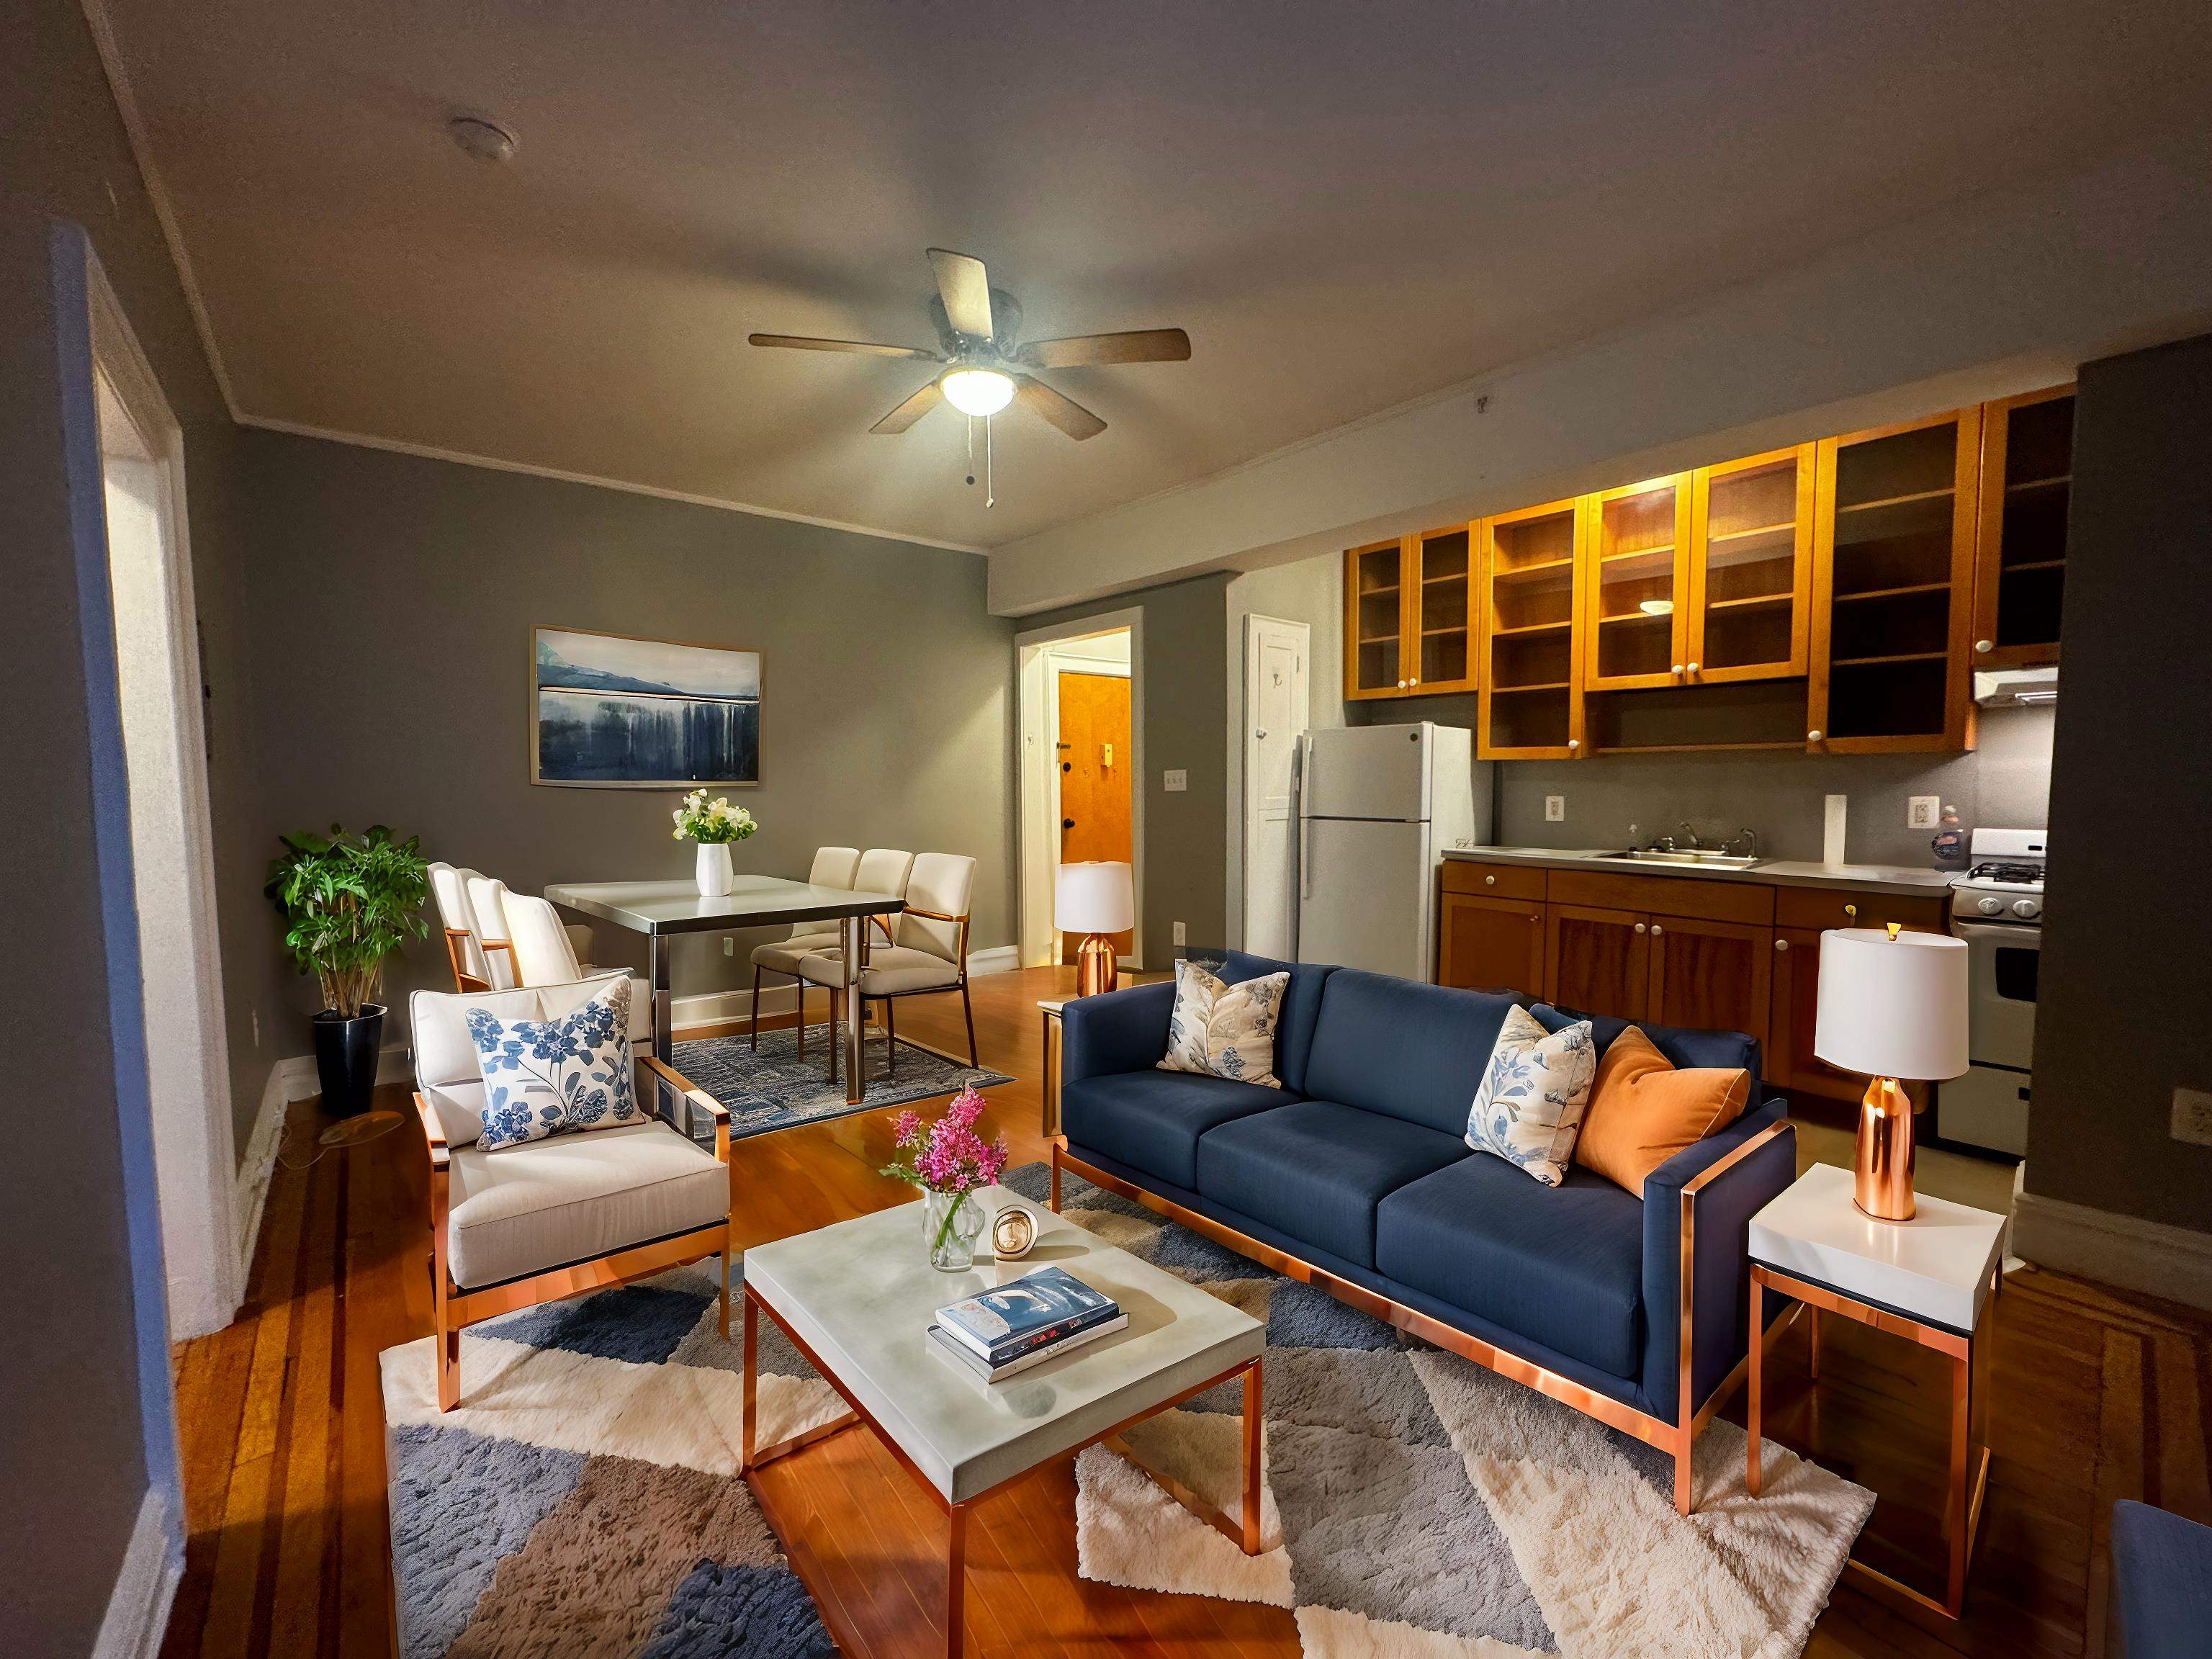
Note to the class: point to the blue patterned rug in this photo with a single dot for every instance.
(774, 1088)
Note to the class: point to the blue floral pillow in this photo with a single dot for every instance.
(1535, 1090)
(541, 1076)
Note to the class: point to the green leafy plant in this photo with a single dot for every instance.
(347, 903)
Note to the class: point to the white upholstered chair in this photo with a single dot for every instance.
(449, 888)
(487, 896)
(880, 869)
(570, 1213)
(927, 957)
(834, 866)
(543, 949)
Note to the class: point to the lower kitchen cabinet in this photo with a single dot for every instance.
(1710, 976)
(1490, 944)
(1597, 962)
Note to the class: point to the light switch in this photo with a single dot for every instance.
(1555, 808)
(1179, 939)
(2192, 1117)
(1175, 780)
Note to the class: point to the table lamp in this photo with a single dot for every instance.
(1096, 900)
(1892, 1006)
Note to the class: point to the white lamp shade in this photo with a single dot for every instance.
(1892, 1007)
(1094, 898)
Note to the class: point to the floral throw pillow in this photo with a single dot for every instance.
(1225, 1030)
(541, 1076)
(1534, 1093)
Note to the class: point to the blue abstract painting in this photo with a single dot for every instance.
(611, 712)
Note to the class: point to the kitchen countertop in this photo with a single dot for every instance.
(1902, 880)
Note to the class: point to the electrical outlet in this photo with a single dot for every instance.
(2192, 1117)
(1921, 811)
(1555, 808)
(1175, 780)
(729, 946)
(1179, 939)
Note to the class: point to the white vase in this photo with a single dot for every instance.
(715, 873)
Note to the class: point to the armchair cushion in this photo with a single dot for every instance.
(577, 1198)
(783, 955)
(891, 970)
(569, 1071)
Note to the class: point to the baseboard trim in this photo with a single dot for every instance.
(2150, 1257)
(258, 1167)
(721, 1007)
(998, 959)
(138, 1607)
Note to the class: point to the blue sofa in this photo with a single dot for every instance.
(2162, 1605)
(1355, 1176)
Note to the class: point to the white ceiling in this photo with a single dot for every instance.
(1348, 206)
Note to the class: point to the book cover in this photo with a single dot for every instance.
(1034, 1311)
(976, 1365)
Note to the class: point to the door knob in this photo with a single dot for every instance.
(1067, 824)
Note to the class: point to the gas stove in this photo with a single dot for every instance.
(2006, 881)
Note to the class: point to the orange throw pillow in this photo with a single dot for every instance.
(1643, 1109)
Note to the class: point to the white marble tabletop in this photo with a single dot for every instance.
(1935, 1267)
(862, 1294)
(676, 907)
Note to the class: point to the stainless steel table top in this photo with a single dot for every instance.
(655, 908)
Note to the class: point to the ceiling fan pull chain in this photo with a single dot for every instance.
(971, 449)
(990, 490)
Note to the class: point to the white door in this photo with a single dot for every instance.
(1276, 715)
(1367, 772)
(1364, 896)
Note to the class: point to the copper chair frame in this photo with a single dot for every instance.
(453, 1308)
(1678, 1435)
(799, 999)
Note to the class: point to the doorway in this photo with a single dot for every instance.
(1082, 742)
(1276, 712)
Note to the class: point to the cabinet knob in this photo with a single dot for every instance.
(1813, 737)
(1985, 646)
(1782, 945)
(1694, 668)
(1490, 881)
(1639, 927)
(1677, 668)
(1574, 743)
(1416, 680)
(1657, 930)
(1536, 920)
(1401, 685)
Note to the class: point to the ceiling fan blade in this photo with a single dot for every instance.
(1064, 412)
(966, 290)
(911, 410)
(866, 348)
(1142, 345)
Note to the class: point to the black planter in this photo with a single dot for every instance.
(345, 1058)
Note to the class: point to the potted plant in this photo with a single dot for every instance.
(948, 1160)
(347, 903)
(713, 824)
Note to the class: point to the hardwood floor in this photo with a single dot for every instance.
(2095, 1396)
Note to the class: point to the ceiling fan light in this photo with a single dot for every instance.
(976, 391)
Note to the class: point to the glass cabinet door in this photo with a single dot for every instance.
(1445, 659)
(2027, 476)
(1751, 567)
(1531, 682)
(1637, 603)
(1375, 610)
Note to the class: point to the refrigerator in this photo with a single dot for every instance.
(1376, 807)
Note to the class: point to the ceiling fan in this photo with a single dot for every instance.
(986, 360)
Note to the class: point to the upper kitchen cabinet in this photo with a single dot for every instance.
(1635, 576)
(1528, 564)
(1750, 567)
(2027, 472)
(1408, 613)
(1893, 529)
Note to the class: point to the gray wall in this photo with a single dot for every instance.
(1185, 680)
(401, 592)
(2125, 1002)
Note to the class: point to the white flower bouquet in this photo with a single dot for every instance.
(712, 823)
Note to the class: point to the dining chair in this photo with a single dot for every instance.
(544, 953)
(880, 869)
(832, 867)
(449, 888)
(486, 904)
(928, 955)
(573, 1213)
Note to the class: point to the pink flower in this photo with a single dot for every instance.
(905, 1127)
(948, 1155)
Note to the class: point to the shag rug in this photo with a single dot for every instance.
(1419, 1506)
(774, 1089)
(584, 1499)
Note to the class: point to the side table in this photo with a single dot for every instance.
(1931, 1280)
(1050, 1103)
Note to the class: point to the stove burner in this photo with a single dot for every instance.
(1997, 871)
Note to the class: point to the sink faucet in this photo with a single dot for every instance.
(1745, 845)
(1691, 844)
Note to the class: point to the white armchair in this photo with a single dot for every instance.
(449, 888)
(544, 953)
(927, 957)
(570, 1213)
(878, 870)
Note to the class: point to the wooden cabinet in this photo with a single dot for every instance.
(1801, 915)
(1710, 976)
(1408, 615)
(1490, 944)
(1893, 531)
(2026, 485)
(1749, 562)
(1529, 566)
(1636, 585)
(1597, 962)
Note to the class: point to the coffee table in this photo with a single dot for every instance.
(856, 1300)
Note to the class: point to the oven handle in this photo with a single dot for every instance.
(2021, 935)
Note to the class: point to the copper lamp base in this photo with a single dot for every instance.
(1093, 965)
(1885, 1151)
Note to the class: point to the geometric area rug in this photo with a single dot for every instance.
(1419, 1506)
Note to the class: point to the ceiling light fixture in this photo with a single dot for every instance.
(976, 391)
(484, 139)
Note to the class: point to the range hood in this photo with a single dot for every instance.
(2016, 688)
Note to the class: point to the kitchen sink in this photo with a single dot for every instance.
(1691, 860)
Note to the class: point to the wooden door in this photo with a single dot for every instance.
(1893, 526)
(1529, 564)
(1710, 976)
(1376, 616)
(2027, 477)
(1750, 568)
(1094, 778)
(1441, 652)
(1597, 962)
(1632, 582)
(1491, 944)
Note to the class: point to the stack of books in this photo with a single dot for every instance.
(1038, 1316)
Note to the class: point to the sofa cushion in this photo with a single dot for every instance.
(1410, 1051)
(1687, 1046)
(1151, 1120)
(1316, 1168)
(1562, 1266)
(1644, 1109)
(1301, 1004)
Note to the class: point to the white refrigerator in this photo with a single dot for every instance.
(1376, 806)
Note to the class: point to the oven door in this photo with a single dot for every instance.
(2001, 962)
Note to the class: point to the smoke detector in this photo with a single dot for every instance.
(483, 138)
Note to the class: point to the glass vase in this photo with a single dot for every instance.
(952, 1223)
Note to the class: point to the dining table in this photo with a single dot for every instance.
(662, 910)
